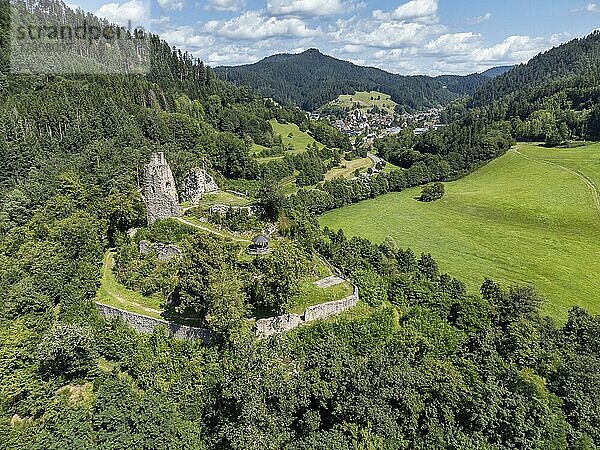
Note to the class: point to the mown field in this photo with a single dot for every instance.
(291, 135)
(366, 100)
(348, 168)
(531, 216)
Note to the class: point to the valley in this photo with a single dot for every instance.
(528, 217)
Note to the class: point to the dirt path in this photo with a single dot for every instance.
(588, 182)
(208, 230)
(329, 282)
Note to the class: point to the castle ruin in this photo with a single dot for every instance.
(197, 182)
(158, 189)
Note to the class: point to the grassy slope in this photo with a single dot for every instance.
(364, 99)
(299, 139)
(311, 295)
(112, 293)
(350, 167)
(520, 219)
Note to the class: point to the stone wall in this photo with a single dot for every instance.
(147, 325)
(164, 252)
(281, 324)
(263, 327)
(196, 183)
(158, 189)
(325, 310)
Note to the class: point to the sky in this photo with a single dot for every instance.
(429, 37)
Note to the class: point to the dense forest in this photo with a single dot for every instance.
(310, 80)
(555, 97)
(420, 364)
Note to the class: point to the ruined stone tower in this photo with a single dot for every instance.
(157, 185)
(196, 183)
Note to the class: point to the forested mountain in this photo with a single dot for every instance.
(311, 80)
(462, 85)
(496, 71)
(554, 97)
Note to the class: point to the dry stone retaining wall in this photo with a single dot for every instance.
(263, 328)
(276, 325)
(147, 325)
(325, 310)
(287, 322)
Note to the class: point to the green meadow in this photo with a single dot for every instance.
(366, 100)
(291, 135)
(529, 217)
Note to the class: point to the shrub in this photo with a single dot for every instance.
(432, 192)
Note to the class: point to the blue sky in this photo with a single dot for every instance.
(409, 37)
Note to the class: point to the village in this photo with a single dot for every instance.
(365, 125)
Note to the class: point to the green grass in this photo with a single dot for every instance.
(311, 295)
(365, 102)
(389, 167)
(524, 218)
(224, 198)
(291, 135)
(112, 293)
(348, 168)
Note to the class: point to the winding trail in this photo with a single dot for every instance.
(588, 181)
(209, 230)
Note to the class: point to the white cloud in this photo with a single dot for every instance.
(186, 38)
(226, 5)
(453, 44)
(159, 24)
(482, 18)
(252, 25)
(391, 34)
(514, 49)
(590, 7)
(305, 7)
(135, 11)
(171, 5)
(414, 10)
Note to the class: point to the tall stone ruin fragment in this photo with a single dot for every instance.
(197, 182)
(158, 189)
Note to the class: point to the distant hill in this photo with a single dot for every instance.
(312, 79)
(461, 85)
(496, 71)
(554, 97)
(573, 67)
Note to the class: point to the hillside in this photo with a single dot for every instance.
(365, 101)
(527, 217)
(496, 71)
(311, 80)
(573, 67)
